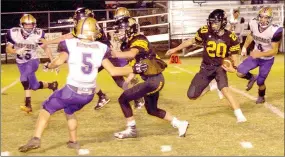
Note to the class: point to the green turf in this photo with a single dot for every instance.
(213, 129)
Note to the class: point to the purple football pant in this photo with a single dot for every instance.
(27, 71)
(66, 99)
(264, 68)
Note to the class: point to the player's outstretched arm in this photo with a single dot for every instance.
(126, 54)
(48, 52)
(56, 40)
(59, 60)
(183, 45)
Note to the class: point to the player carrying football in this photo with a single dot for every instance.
(218, 43)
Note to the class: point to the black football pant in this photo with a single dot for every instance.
(202, 79)
(149, 90)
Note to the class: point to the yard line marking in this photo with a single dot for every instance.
(182, 69)
(9, 86)
(271, 107)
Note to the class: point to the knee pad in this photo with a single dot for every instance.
(122, 99)
(192, 95)
(36, 86)
(26, 85)
(260, 80)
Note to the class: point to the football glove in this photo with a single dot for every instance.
(140, 68)
(21, 51)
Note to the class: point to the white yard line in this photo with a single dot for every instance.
(182, 69)
(271, 107)
(10, 85)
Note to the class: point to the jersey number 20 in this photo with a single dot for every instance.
(216, 50)
(88, 66)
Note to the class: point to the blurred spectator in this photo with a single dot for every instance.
(236, 23)
(256, 1)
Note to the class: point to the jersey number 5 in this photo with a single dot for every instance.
(88, 66)
(216, 50)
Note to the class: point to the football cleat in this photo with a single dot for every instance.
(27, 109)
(34, 143)
(182, 128)
(73, 145)
(241, 119)
(102, 102)
(139, 103)
(130, 132)
(260, 100)
(251, 82)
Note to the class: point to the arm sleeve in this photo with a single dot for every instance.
(9, 37)
(235, 45)
(43, 34)
(199, 36)
(62, 47)
(277, 35)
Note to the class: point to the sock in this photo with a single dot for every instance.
(248, 76)
(50, 85)
(100, 94)
(131, 123)
(261, 92)
(238, 113)
(175, 122)
(41, 85)
(28, 102)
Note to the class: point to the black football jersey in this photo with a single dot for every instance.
(141, 43)
(216, 47)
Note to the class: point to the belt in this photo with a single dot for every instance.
(82, 90)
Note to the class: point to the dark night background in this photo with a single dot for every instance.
(44, 5)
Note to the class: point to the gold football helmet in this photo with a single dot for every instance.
(265, 17)
(28, 19)
(87, 29)
(121, 12)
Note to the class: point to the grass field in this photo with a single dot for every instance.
(213, 129)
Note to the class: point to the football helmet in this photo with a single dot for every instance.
(82, 13)
(265, 17)
(87, 29)
(217, 20)
(121, 13)
(28, 19)
(125, 28)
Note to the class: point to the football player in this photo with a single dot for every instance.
(267, 38)
(84, 56)
(136, 46)
(218, 43)
(24, 41)
(120, 14)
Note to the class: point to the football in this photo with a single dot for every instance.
(227, 62)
